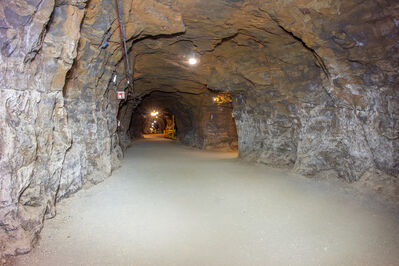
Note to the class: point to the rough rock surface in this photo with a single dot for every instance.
(58, 126)
(313, 82)
(38, 47)
(314, 87)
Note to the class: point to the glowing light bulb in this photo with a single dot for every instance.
(192, 61)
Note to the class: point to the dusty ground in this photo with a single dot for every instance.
(172, 205)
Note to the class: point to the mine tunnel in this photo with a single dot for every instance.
(199, 120)
(199, 132)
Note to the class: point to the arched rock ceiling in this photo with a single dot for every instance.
(251, 43)
(230, 38)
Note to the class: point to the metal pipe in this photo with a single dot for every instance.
(123, 40)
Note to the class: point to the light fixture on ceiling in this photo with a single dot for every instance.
(154, 113)
(192, 61)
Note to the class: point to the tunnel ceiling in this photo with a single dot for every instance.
(232, 39)
(247, 44)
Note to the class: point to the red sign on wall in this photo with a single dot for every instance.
(120, 95)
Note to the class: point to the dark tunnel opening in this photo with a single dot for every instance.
(200, 120)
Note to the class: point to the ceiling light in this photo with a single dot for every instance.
(154, 113)
(192, 61)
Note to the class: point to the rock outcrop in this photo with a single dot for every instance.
(38, 47)
(313, 86)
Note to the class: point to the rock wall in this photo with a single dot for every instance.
(356, 130)
(214, 125)
(90, 104)
(38, 46)
(345, 119)
(315, 90)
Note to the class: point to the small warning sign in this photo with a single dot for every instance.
(120, 95)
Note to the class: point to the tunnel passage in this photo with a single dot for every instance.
(202, 120)
(313, 86)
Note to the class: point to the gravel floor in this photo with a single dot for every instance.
(173, 205)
